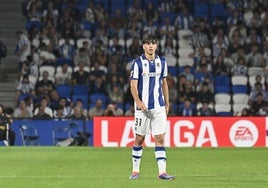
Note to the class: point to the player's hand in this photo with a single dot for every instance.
(141, 106)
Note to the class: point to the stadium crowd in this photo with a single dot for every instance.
(74, 56)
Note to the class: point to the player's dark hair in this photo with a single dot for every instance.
(149, 39)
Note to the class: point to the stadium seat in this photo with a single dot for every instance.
(240, 89)
(222, 89)
(79, 42)
(237, 108)
(218, 10)
(30, 23)
(50, 69)
(60, 133)
(186, 62)
(223, 109)
(173, 70)
(255, 71)
(240, 98)
(64, 91)
(185, 52)
(239, 80)
(65, 60)
(29, 135)
(222, 98)
(81, 89)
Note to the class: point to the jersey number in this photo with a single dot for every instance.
(138, 122)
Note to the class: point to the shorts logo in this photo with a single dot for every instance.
(243, 134)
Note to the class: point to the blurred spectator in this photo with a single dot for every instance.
(185, 20)
(135, 10)
(240, 68)
(79, 103)
(67, 49)
(59, 112)
(23, 48)
(187, 73)
(63, 75)
(51, 13)
(258, 103)
(47, 57)
(41, 113)
(187, 108)
(204, 94)
(150, 28)
(22, 111)
(254, 58)
(168, 49)
(205, 110)
(96, 110)
(25, 87)
(82, 56)
(130, 111)
(44, 86)
(263, 111)
(34, 13)
(167, 29)
(258, 89)
(80, 76)
(187, 93)
(99, 86)
(118, 111)
(77, 113)
(219, 68)
(199, 39)
(149, 12)
(110, 110)
(116, 94)
(89, 14)
(64, 107)
(134, 48)
(43, 106)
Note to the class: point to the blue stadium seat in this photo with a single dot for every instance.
(222, 89)
(29, 24)
(82, 97)
(201, 9)
(81, 89)
(61, 61)
(218, 10)
(240, 89)
(173, 70)
(64, 90)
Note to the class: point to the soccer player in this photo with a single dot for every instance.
(150, 93)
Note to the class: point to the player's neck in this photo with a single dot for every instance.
(150, 57)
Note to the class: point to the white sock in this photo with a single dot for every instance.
(160, 155)
(136, 158)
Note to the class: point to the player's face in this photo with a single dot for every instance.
(150, 48)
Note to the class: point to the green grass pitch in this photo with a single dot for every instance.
(51, 167)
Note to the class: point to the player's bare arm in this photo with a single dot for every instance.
(134, 92)
(166, 94)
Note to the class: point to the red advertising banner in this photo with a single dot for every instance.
(186, 132)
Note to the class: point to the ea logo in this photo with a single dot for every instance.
(243, 134)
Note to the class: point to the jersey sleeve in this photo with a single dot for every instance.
(134, 74)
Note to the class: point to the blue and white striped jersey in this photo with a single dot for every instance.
(149, 75)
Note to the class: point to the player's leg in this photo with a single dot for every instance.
(141, 129)
(158, 126)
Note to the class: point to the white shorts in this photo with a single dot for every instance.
(153, 120)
